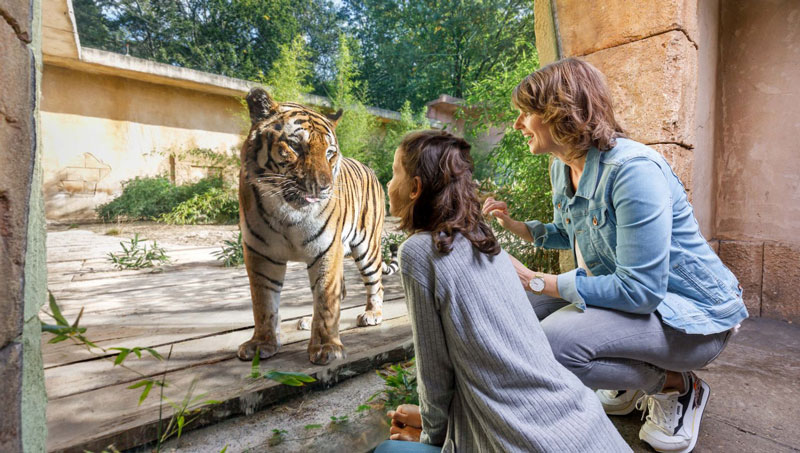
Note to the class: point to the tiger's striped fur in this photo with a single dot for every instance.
(300, 200)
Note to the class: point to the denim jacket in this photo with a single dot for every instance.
(639, 237)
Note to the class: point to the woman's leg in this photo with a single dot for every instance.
(399, 446)
(543, 305)
(610, 349)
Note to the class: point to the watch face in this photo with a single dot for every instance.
(536, 284)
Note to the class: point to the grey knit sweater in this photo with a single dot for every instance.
(487, 378)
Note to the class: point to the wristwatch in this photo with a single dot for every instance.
(536, 284)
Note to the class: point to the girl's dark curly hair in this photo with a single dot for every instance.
(448, 203)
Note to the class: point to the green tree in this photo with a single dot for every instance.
(416, 50)
(237, 38)
(289, 78)
(357, 125)
(383, 146)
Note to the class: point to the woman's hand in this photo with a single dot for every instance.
(499, 209)
(525, 275)
(406, 423)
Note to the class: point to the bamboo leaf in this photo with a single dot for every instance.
(289, 378)
(57, 311)
(154, 353)
(122, 355)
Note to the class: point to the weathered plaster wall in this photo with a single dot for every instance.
(99, 130)
(757, 169)
(22, 272)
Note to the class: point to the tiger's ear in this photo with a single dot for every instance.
(260, 104)
(334, 119)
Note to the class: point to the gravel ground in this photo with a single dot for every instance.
(254, 433)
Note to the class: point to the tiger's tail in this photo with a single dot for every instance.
(394, 264)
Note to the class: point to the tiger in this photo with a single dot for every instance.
(301, 200)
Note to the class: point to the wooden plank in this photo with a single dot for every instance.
(139, 331)
(168, 316)
(93, 420)
(63, 381)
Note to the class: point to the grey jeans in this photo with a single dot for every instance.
(611, 349)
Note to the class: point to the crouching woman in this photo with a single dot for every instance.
(487, 378)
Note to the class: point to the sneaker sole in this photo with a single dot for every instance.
(697, 416)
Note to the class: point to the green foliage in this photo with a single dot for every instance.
(278, 437)
(356, 126)
(509, 171)
(418, 50)
(136, 255)
(289, 77)
(382, 148)
(400, 385)
(283, 377)
(185, 411)
(216, 205)
(231, 253)
(237, 38)
(149, 198)
(63, 330)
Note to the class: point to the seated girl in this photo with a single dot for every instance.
(487, 378)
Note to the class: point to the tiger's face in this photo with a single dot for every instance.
(291, 151)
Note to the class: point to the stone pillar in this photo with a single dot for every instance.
(22, 254)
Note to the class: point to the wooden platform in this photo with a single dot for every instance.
(200, 310)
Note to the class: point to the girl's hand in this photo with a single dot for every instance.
(406, 414)
(406, 423)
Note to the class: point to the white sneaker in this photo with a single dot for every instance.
(673, 420)
(619, 402)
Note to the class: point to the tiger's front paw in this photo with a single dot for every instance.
(325, 353)
(369, 318)
(266, 349)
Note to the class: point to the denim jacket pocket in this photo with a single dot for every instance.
(702, 286)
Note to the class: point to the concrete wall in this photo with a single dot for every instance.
(22, 269)
(100, 129)
(757, 165)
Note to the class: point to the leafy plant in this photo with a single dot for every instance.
(184, 412)
(231, 253)
(212, 206)
(400, 385)
(278, 437)
(286, 378)
(507, 170)
(136, 255)
(149, 198)
(112, 232)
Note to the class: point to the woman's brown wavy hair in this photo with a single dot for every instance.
(448, 203)
(572, 98)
